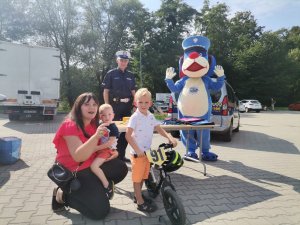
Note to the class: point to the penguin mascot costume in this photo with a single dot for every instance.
(196, 68)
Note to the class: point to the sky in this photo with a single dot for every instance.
(272, 14)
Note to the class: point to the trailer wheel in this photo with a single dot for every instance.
(13, 117)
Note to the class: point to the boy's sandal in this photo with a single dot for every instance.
(56, 206)
(146, 207)
(146, 199)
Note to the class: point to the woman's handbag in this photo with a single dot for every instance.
(64, 178)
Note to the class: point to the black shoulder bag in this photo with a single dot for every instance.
(64, 178)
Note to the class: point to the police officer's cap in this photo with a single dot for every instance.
(196, 41)
(123, 55)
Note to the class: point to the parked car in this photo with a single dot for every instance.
(252, 105)
(242, 108)
(294, 106)
(225, 111)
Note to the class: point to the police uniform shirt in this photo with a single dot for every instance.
(119, 83)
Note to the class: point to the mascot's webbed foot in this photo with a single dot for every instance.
(191, 156)
(209, 156)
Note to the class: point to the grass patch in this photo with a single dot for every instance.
(160, 116)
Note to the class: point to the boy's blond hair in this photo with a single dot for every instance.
(104, 107)
(142, 92)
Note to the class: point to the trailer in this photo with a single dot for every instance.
(29, 80)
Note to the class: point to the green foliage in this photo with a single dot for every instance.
(258, 64)
(82, 81)
(14, 20)
(64, 106)
(171, 22)
(160, 116)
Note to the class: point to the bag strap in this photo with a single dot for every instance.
(73, 172)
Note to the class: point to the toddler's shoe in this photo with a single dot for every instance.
(110, 190)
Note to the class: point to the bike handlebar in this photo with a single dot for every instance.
(166, 146)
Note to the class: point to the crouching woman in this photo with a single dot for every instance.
(77, 141)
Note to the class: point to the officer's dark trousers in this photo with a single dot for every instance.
(122, 110)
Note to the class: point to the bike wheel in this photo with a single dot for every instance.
(173, 206)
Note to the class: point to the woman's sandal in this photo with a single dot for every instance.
(56, 206)
(146, 207)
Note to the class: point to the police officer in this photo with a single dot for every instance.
(119, 89)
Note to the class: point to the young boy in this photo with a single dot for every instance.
(110, 136)
(139, 135)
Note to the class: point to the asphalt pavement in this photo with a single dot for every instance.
(255, 181)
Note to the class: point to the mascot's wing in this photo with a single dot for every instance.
(215, 84)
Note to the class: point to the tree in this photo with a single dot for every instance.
(14, 23)
(243, 30)
(110, 26)
(262, 69)
(293, 42)
(212, 22)
(171, 24)
(243, 33)
(88, 33)
(56, 23)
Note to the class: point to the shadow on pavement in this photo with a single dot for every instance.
(211, 196)
(5, 170)
(31, 126)
(247, 140)
(257, 175)
(202, 197)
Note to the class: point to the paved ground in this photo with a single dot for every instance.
(256, 180)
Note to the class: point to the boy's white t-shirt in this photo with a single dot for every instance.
(143, 127)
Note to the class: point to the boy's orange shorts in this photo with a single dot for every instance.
(140, 168)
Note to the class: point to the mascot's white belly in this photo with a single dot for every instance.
(193, 100)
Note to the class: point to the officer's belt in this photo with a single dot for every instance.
(124, 100)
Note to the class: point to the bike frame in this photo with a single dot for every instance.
(164, 180)
(163, 184)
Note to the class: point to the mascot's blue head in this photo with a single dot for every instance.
(196, 62)
(197, 44)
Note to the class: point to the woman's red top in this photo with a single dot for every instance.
(69, 128)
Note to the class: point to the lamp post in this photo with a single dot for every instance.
(141, 76)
